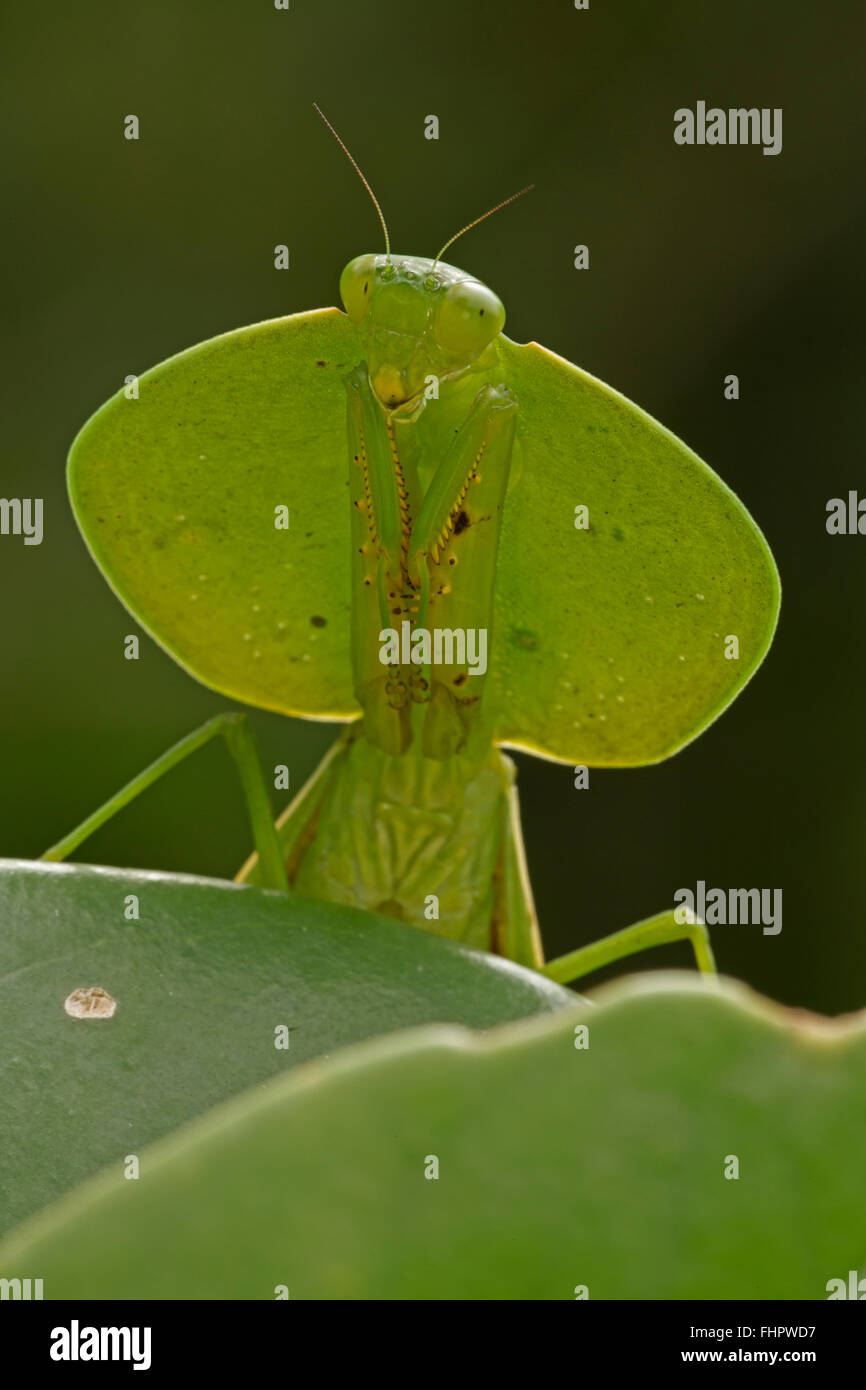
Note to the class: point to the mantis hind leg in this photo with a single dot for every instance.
(297, 826)
(235, 730)
(654, 931)
(515, 932)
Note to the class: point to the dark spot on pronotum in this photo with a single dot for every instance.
(461, 523)
(318, 621)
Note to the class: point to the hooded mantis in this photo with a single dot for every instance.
(463, 600)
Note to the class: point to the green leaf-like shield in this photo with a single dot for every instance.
(612, 642)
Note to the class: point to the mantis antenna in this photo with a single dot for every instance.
(357, 169)
(488, 213)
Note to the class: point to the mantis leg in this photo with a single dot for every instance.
(298, 823)
(455, 540)
(655, 931)
(515, 927)
(384, 493)
(235, 730)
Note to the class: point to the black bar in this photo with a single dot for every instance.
(239, 1337)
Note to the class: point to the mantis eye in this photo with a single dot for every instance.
(356, 287)
(468, 318)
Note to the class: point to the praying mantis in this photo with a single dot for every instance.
(333, 514)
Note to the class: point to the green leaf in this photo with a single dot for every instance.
(201, 980)
(558, 1167)
(609, 646)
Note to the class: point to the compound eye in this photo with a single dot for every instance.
(356, 287)
(468, 318)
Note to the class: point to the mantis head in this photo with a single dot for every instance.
(419, 318)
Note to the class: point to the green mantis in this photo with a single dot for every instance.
(487, 547)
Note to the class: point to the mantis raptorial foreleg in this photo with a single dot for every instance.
(235, 730)
(406, 553)
(455, 539)
(385, 497)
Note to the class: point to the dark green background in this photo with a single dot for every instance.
(703, 262)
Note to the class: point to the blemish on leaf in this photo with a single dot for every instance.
(318, 621)
(521, 637)
(461, 523)
(91, 1001)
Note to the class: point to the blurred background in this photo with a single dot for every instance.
(703, 262)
